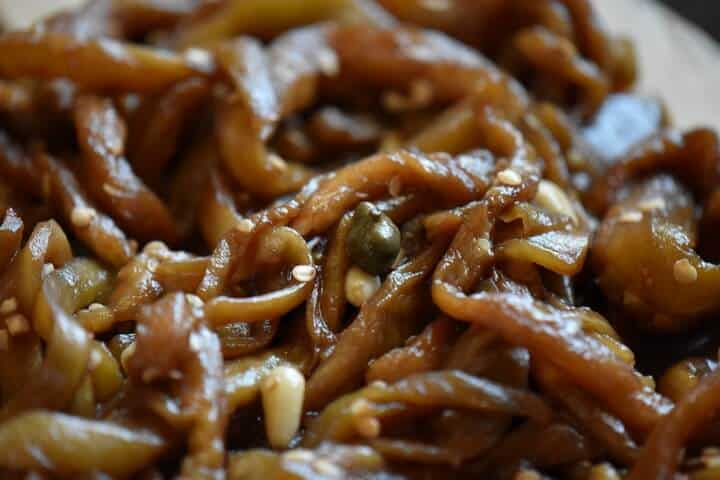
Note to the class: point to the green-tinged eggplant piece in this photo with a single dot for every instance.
(396, 311)
(96, 63)
(108, 177)
(349, 416)
(644, 256)
(69, 446)
(193, 358)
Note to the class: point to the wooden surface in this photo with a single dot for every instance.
(679, 62)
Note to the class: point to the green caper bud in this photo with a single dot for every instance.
(373, 240)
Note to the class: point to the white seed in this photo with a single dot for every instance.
(711, 457)
(603, 471)
(156, 247)
(421, 93)
(360, 286)
(553, 199)
(17, 324)
(126, 355)
(436, 5)
(245, 226)
(327, 469)
(509, 177)
(304, 273)
(527, 475)
(113, 191)
(95, 359)
(633, 216)
(484, 246)
(194, 300)
(328, 62)
(684, 272)
(8, 305)
(368, 427)
(363, 419)
(276, 161)
(199, 58)
(94, 307)
(282, 390)
(656, 203)
(82, 216)
(299, 455)
(47, 269)
(378, 384)
(360, 408)
(4, 340)
(420, 96)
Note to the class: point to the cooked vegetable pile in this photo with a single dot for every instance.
(325, 239)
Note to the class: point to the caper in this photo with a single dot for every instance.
(373, 240)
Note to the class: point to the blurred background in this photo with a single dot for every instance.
(679, 59)
(705, 13)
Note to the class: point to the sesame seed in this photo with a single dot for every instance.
(328, 62)
(421, 93)
(360, 407)
(47, 269)
(4, 340)
(126, 355)
(510, 177)
(552, 198)
(156, 247)
(395, 186)
(483, 245)
(324, 467)
(199, 58)
(360, 286)
(368, 427)
(379, 384)
(651, 204)
(420, 96)
(8, 305)
(82, 216)
(17, 324)
(684, 272)
(632, 216)
(112, 190)
(276, 162)
(436, 5)
(299, 455)
(95, 307)
(95, 359)
(303, 273)
(245, 225)
(194, 300)
(175, 374)
(527, 475)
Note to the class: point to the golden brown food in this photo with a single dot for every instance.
(325, 239)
